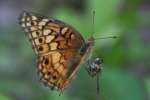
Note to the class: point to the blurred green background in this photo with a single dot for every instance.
(126, 73)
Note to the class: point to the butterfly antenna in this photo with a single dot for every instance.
(93, 29)
(106, 37)
(61, 92)
(93, 23)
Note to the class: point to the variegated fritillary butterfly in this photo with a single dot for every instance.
(59, 47)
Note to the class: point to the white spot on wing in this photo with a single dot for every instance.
(23, 25)
(26, 30)
(53, 46)
(63, 31)
(33, 28)
(46, 32)
(28, 18)
(42, 23)
(45, 20)
(34, 18)
(49, 38)
(28, 24)
(40, 27)
(23, 19)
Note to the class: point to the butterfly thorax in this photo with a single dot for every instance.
(91, 41)
(86, 48)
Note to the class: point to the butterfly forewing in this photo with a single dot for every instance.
(57, 46)
(48, 34)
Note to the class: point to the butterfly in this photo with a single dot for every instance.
(60, 49)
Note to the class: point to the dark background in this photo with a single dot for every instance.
(126, 72)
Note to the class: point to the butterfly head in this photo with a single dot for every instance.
(90, 41)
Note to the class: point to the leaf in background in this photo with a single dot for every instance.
(147, 83)
(54, 95)
(106, 12)
(118, 85)
(2, 97)
(73, 19)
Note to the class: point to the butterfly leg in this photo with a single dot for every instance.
(88, 68)
(94, 69)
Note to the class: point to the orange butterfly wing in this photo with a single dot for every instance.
(58, 47)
